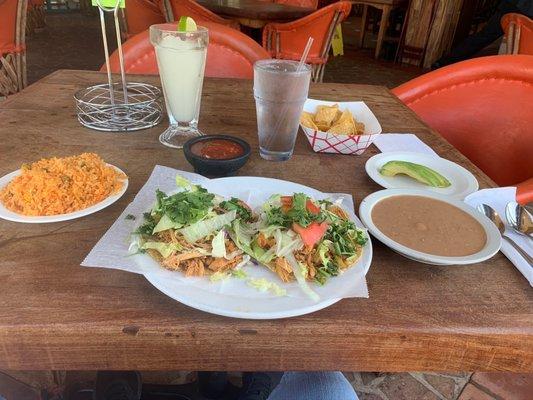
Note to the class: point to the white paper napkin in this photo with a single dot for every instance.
(402, 142)
(112, 250)
(498, 198)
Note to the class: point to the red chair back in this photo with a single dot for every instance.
(299, 3)
(519, 33)
(483, 108)
(140, 14)
(287, 40)
(230, 54)
(8, 25)
(197, 12)
(12, 46)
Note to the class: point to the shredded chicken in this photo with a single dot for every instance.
(283, 269)
(194, 267)
(339, 212)
(173, 262)
(221, 264)
(264, 242)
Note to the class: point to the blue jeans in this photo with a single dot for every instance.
(313, 386)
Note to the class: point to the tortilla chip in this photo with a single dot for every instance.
(337, 117)
(345, 125)
(326, 114)
(306, 119)
(323, 127)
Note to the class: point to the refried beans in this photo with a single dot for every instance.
(429, 226)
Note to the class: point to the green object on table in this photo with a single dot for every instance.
(109, 3)
(419, 172)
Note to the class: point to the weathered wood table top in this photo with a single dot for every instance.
(55, 314)
(256, 9)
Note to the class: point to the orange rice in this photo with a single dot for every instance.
(55, 186)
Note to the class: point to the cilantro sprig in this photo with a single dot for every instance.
(186, 207)
(237, 205)
(345, 237)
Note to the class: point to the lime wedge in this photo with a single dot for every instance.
(186, 24)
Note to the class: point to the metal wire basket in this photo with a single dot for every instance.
(118, 107)
(139, 107)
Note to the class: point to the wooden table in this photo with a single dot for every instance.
(255, 13)
(57, 315)
(386, 7)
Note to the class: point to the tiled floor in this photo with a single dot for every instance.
(74, 41)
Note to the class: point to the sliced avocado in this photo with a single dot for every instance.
(419, 172)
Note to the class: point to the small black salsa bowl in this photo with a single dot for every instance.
(216, 167)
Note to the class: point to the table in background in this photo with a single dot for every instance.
(57, 315)
(386, 7)
(255, 13)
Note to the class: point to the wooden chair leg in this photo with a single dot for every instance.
(363, 26)
(516, 40)
(509, 40)
(382, 29)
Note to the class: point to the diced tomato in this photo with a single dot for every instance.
(286, 205)
(312, 207)
(312, 234)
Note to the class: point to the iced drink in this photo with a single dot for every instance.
(280, 92)
(181, 61)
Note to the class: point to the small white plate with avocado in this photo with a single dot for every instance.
(409, 170)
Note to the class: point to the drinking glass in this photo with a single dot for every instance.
(280, 91)
(181, 61)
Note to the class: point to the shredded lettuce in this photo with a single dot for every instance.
(270, 230)
(264, 285)
(262, 255)
(165, 249)
(300, 277)
(287, 244)
(242, 234)
(239, 274)
(166, 223)
(185, 183)
(219, 245)
(219, 276)
(201, 229)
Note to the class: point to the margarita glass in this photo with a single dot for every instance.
(181, 58)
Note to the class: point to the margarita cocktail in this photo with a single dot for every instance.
(181, 52)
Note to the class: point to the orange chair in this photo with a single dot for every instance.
(482, 107)
(518, 33)
(192, 9)
(524, 192)
(299, 3)
(12, 46)
(139, 15)
(230, 54)
(288, 40)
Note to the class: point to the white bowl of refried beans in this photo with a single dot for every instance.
(428, 227)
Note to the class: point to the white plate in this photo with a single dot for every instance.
(462, 181)
(12, 216)
(239, 300)
(493, 235)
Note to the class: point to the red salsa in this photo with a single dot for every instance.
(218, 149)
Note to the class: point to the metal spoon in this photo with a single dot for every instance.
(519, 219)
(491, 214)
